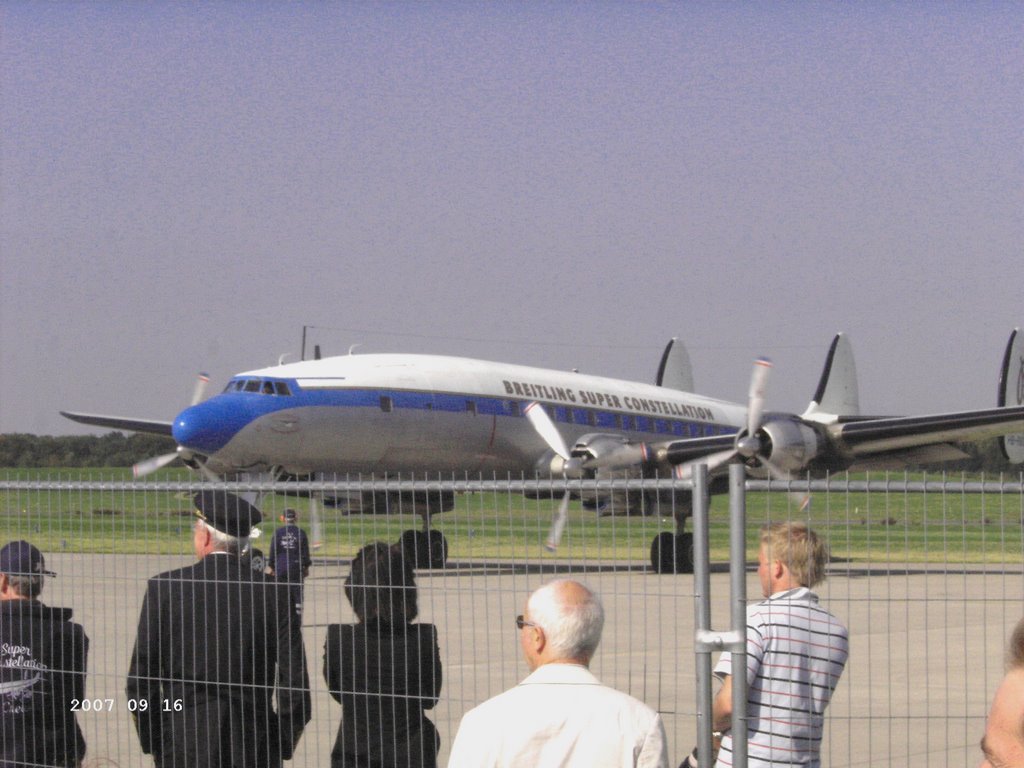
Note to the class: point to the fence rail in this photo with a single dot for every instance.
(836, 484)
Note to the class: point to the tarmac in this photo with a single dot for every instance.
(926, 648)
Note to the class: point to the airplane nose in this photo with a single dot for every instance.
(205, 428)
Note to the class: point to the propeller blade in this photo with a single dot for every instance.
(314, 516)
(801, 498)
(755, 399)
(200, 390)
(748, 443)
(149, 466)
(558, 524)
(208, 473)
(546, 428)
(713, 460)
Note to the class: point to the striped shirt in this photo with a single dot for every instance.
(796, 651)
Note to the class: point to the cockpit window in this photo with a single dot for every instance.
(264, 386)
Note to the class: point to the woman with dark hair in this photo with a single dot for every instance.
(384, 670)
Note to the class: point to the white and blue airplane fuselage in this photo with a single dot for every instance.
(386, 414)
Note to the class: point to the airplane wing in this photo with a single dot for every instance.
(794, 445)
(832, 434)
(151, 426)
(681, 451)
(866, 438)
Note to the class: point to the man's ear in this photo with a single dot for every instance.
(204, 537)
(5, 584)
(778, 569)
(541, 641)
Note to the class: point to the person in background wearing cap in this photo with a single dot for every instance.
(289, 556)
(214, 639)
(42, 667)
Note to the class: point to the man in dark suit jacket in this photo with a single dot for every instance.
(214, 638)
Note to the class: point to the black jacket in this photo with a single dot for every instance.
(213, 640)
(289, 553)
(384, 678)
(42, 671)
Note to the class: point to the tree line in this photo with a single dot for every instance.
(115, 449)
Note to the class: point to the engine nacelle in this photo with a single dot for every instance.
(602, 451)
(790, 445)
(595, 452)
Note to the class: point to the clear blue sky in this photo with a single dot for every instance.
(185, 186)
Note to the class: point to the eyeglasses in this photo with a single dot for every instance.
(522, 622)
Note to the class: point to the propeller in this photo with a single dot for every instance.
(546, 428)
(151, 465)
(749, 444)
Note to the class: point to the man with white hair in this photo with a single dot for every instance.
(561, 714)
(215, 640)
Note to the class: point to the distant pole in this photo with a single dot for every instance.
(303, 356)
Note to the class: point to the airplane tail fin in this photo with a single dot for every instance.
(1011, 392)
(674, 370)
(837, 394)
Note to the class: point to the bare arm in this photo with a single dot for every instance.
(721, 708)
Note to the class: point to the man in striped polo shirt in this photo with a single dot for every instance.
(796, 651)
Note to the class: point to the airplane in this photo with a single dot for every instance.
(387, 415)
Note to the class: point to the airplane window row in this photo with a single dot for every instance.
(629, 422)
(264, 387)
(584, 416)
(559, 413)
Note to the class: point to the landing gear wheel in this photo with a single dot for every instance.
(424, 550)
(672, 553)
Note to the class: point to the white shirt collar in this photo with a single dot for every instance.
(566, 674)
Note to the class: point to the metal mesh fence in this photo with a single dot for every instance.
(925, 572)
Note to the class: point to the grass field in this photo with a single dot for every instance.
(874, 527)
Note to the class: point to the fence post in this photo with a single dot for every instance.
(708, 641)
(702, 610)
(738, 601)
